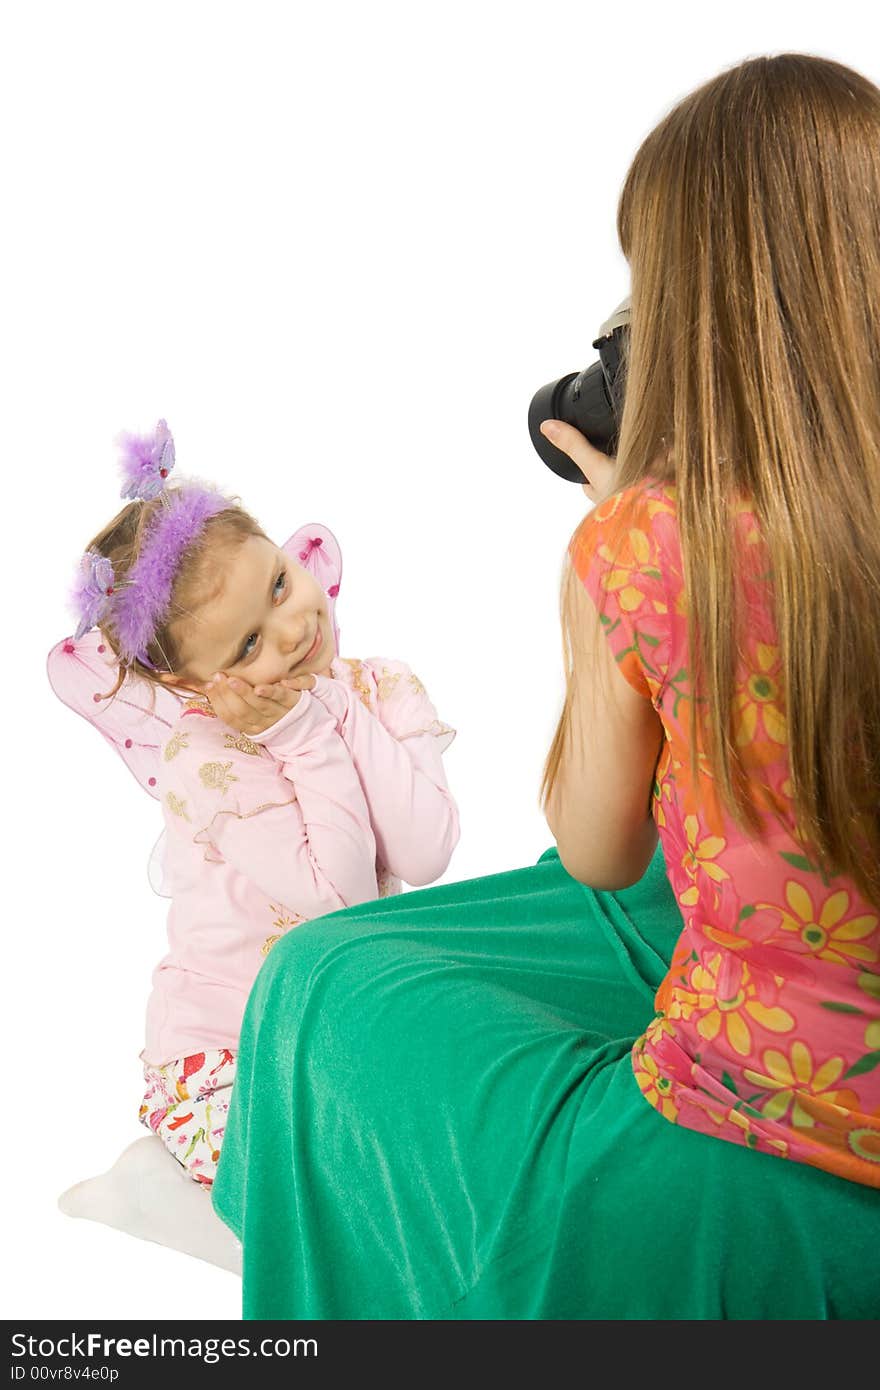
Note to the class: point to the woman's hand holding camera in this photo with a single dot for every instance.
(598, 469)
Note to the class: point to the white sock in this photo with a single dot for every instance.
(148, 1194)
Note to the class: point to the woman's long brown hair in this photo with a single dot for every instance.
(750, 218)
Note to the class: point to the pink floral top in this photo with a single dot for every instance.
(767, 1030)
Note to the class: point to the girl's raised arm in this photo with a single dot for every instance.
(286, 809)
(396, 750)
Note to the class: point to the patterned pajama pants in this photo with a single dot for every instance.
(186, 1102)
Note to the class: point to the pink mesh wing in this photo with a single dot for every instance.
(135, 722)
(316, 548)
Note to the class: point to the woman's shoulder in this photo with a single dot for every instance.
(639, 503)
(646, 517)
(630, 529)
(652, 496)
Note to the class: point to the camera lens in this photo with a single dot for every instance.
(591, 400)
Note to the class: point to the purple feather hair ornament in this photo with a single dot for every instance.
(143, 600)
(146, 462)
(92, 590)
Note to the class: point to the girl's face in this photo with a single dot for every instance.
(262, 624)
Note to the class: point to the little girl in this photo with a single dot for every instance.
(294, 782)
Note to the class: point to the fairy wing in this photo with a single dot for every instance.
(136, 721)
(315, 547)
(138, 718)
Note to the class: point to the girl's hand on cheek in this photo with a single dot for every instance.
(306, 682)
(249, 709)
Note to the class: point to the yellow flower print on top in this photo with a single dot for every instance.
(700, 857)
(697, 786)
(790, 1012)
(654, 1087)
(623, 505)
(829, 935)
(620, 581)
(664, 785)
(794, 1077)
(762, 696)
(729, 1014)
(870, 983)
(742, 1122)
(659, 1028)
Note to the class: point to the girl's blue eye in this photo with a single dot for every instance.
(247, 649)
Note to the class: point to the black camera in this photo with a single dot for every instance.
(591, 400)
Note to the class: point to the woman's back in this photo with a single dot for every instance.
(768, 1024)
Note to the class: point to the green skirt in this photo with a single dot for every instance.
(435, 1116)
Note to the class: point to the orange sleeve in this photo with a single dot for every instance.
(617, 554)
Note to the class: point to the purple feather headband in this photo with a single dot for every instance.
(146, 462)
(138, 605)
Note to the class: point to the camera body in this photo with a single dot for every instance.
(591, 400)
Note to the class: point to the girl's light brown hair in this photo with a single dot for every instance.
(750, 218)
(198, 579)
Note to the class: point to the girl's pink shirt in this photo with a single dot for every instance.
(335, 804)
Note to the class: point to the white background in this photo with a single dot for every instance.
(338, 247)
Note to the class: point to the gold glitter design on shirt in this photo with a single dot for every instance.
(242, 743)
(174, 745)
(201, 705)
(357, 668)
(416, 685)
(176, 805)
(386, 682)
(284, 919)
(217, 776)
(437, 728)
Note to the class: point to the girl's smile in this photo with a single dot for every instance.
(313, 649)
